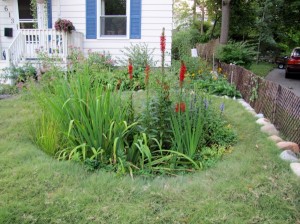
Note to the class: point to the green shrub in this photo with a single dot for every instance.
(239, 53)
(101, 60)
(140, 54)
(21, 73)
(194, 65)
(184, 40)
(8, 89)
(217, 84)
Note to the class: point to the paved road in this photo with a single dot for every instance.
(277, 76)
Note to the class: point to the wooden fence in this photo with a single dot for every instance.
(280, 105)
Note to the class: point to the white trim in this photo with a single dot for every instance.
(16, 14)
(99, 13)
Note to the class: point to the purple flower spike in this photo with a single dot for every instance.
(222, 107)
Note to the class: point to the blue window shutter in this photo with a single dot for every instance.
(135, 19)
(91, 19)
(49, 11)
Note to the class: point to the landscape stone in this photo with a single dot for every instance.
(259, 115)
(295, 168)
(289, 156)
(244, 103)
(252, 112)
(288, 145)
(269, 129)
(249, 108)
(275, 138)
(263, 121)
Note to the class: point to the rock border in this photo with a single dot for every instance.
(290, 150)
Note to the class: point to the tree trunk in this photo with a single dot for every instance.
(194, 10)
(202, 19)
(225, 21)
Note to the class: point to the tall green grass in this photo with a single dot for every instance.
(92, 117)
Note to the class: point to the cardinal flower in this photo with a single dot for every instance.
(182, 74)
(147, 71)
(130, 69)
(163, 41)
(180, 107)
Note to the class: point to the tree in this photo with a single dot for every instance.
(182, 14)
(225, 21)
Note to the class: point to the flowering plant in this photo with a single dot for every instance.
(64, 25)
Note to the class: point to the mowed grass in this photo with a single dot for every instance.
(262, 69)
(249, 185)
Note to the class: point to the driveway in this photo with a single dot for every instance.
(277, 76)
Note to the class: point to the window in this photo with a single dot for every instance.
(132, 18)
(26, 15)
(113, 18)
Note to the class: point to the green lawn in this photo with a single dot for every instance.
(249, 185)
(262, 69)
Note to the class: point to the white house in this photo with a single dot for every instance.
(101, 25)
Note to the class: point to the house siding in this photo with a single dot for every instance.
(7, 22)
(156, 14)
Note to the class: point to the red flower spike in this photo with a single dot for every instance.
(180, 107)
(182, 73)
(147, 71)
(163, 41)
(130, 69)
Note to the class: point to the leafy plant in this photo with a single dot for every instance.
(187, 128)
(217, 85)
(140, 54)
(90, 114)
(21, 73)
(8, 89)
(239, 53)
(47, 134)
(101, 60)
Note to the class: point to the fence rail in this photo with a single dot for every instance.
(276, 102)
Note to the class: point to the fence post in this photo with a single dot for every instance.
(275, 104)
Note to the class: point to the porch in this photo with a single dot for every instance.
(30, 44)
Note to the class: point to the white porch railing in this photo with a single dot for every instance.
(15, 51)
(29, 42)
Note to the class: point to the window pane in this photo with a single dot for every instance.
(115, 7)
(113, 25)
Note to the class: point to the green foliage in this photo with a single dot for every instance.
(21, 73)
(156, 121)
(92, 120)
(8, 89)
(195, 67)
(239, 53)
(216, 130)
(184, 40)
(211, 155)
(140, 54)
(91, 116)
(188, 127)
(217, 84)
(47, 134)
(101, 60)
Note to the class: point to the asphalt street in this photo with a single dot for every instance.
(277, 76)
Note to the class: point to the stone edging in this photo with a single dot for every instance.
(290, 150)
